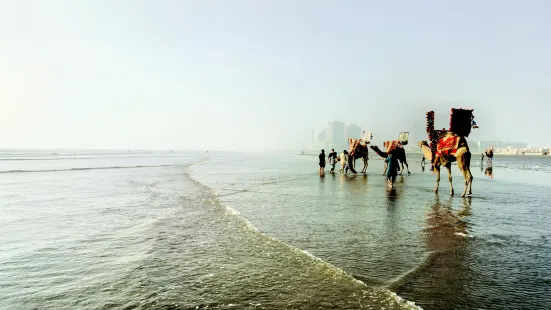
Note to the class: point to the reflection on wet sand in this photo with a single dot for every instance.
(443, 278)
(394, 214)
(489, 172)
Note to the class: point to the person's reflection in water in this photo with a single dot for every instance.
(489, 172)
(393, 195)
(393, 228)
(356, 184)
(443, 281)
(401, 179)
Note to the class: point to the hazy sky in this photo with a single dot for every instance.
(263, 74)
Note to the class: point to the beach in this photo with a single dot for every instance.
(227, 230)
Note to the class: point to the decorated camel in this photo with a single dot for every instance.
(448, 146)
(358, 150)
(396, 148)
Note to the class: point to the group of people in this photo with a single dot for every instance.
(347, 162)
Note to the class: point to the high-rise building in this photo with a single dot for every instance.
(480, 146)
(336, 136)
(353, 131)
(322, 139)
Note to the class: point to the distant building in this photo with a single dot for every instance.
(353, 131)
(336, 135)
(483, 145)
(321, 141)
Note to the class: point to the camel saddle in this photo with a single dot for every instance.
(392, 145)
(447, 144)
(357, 147)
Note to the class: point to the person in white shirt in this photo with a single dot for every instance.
(344, 160)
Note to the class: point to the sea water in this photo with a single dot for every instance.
(158, 230)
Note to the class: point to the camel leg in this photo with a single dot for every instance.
(365, 166)
(470, 177)
(437, 169)
(467, 164)
(464, 164)
(468, 174)
(449, 167)
(407, 166)
(402, 169)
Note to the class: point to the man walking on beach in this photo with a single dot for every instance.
(332, 160)
(322, 163)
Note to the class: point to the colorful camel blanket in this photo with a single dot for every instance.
(356, 147)
(392, 145)
(447, 145)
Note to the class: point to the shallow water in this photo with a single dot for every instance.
(144, 230)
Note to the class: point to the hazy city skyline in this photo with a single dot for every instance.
(262, 74)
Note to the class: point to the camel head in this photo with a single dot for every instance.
(423, 143)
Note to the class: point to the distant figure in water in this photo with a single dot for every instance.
(302, 152)
(392, 170)
(423, 162)
(332, 160)
(322, 163)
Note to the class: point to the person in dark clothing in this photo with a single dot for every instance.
(350, 165)
(332, 158)
(322, 162)
(392, 170)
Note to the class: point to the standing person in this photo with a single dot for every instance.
(322, 162)
(392, 170)
(344, 160)
(350, 164)
(423, 162)
(332, 158)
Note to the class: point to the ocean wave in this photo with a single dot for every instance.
(35, 158)
(390, 296)
(88, 168)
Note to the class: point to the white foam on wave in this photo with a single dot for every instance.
(460, 234)
(89, 168)
(238, 214)
(392, 296)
